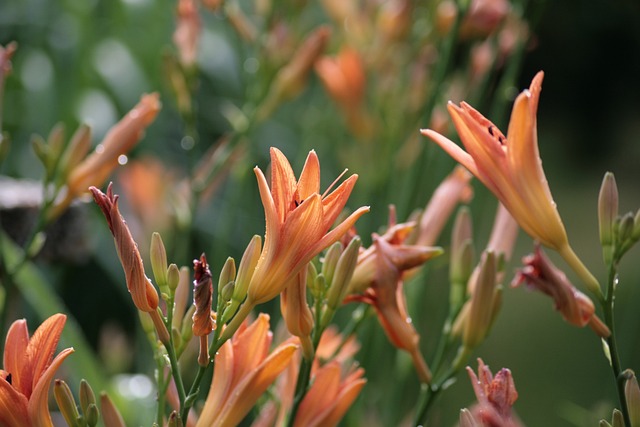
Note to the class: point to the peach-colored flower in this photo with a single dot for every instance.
(496, 395)
(343, 77)
(335, 369)
(244, 370)
(27, 372)
(377, 280)
(298, 219)
(296, 312)
(540, 274)
(510, 167)
(121, 138)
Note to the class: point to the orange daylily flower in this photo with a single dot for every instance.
(244, 370)
(27, 372)
(512, 169)
(298, 219)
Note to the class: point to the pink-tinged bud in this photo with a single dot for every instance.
(607, 215)
(484, 17)
(632, 396)
(187, 32)
(202, 298)
(143, 293)
(110, 414)
(181, 296)
(495, 395)
(540, 274)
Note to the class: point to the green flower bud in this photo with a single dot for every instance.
(66, 402)
(87, 397)
(173, 278)
(632, 396)
(158, 255)
(76, 150)
(607, 215)
(481, 309)
(330, 262)
(92, 415)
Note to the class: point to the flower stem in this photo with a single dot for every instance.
(582, 271)
(614, 357)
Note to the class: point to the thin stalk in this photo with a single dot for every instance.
(175, 372)
(614, 357)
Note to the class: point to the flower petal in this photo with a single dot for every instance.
(251, 347)
(38, 406)
(322, 393)
(309, 182)
(283, 183)
(334, 203)
(15, 350)
(13, 406)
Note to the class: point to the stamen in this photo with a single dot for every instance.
(334, 183)
(8, 378)
(491, 130)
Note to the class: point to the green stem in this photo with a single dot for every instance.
(614, 357)
(304, 377)
(175, 371)
(358, 317)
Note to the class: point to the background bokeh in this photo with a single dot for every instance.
(90, 61)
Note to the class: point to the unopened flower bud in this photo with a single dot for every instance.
(174, 420)
(110, 414)
(481, 310)
(243, 278)
(87, 397)
(181, 293)
(227, 274)
(342, 277)
(173, 278)
(296, 312)
(315, 282)
(202, 298)
(92, 415)
(227, 291)
(187, 331)
(607, 214)
(330, 261)
(66, 402)
(625, 228)
(158, 256)
(466, 419)
(632, 396)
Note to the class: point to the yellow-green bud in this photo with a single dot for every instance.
(92, 415)
(158, 255)
(330, 262)
(245, 270)
(607, 215)
(56, 140)
(87, 397)
(625, 228)
(227, 291)
(481, 310)
(632, 396)
(343, 272)
(227, 274)
(66, 402)
(41, 150)
(173, 278)
(617, 419)
(460, 271)
(315, 286)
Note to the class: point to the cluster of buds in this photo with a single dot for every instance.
(89, 413)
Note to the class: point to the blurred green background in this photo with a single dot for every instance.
(90, 61)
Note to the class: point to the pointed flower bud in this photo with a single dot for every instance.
(110, 414)
(181, 293)
(315, 282)
(245, 272)
(173, 278)
(296, 312)
(158, 256)
(227, 274)
(76, 150)
(339, 286)
(202, 298)
(66, 402)
(607, 215)
(330, 261)
(86, 396)
(481, 308)
(92, 415)
(632, 396)
(466, 419)
(461, 263)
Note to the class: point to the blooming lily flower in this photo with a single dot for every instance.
(27, 372)
(512, 169)
(298, 219)
(244, 370)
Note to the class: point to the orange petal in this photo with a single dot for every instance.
(334, 202)
(453, 150)
(335, 234)
(283, 183)
(40, 351)
(309, 182)
(250, 347)
(342, 403)
(38, 406)
(220, 385)
(15, 350)
(254, 385)
(273, 221)
(13, 406)
(320, 396)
